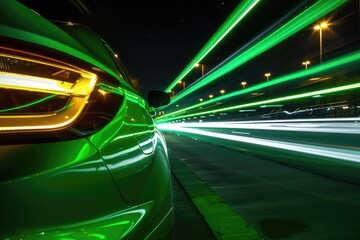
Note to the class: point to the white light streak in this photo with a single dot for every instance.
(328, 152)
(334, 126)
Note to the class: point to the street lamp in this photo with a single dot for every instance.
(320, 27)
(306, 63)
(211, 96)
(202, 68)
(201, 100)
(267, 75)
(243, 84)
(222, 91)
(183, 83)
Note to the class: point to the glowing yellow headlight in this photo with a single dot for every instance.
(40, 95)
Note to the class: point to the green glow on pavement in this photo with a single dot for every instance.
(305, 18)
(212, 206)
(239, 13)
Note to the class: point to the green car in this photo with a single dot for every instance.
(80, 155)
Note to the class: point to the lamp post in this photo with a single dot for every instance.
(243, 84)
(183, 84)
(222, 91)
(267, 75)
(306, 63)
(320, 27)
(202, 68)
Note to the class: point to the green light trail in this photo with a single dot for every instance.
(305, 18)
(28, 104)
(238, 14)
(281, 99)
(351, 58)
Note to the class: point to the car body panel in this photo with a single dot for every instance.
(110, 183)
(18, 21)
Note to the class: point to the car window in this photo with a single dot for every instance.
(118, 63)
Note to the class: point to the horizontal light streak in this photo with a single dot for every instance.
(281, 99)
(331, 153)
(343, 61)
(333, 126)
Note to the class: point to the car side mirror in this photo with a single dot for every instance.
(152, 111)
(158, 98)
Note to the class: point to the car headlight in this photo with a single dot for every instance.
(43, 96)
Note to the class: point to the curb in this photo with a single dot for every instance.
(221, 218)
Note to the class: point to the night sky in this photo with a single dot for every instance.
(157, 39)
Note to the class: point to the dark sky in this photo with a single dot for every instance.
(157, 39)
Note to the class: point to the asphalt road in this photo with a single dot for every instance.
(189, 224)
(276, 201)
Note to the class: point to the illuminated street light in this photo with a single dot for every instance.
(267, 75)
(183, 84)
(211, 96)
(201, 100)
(320, 27)
(202, 68)
(243, 84)
(222, 91)
(306, 63)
